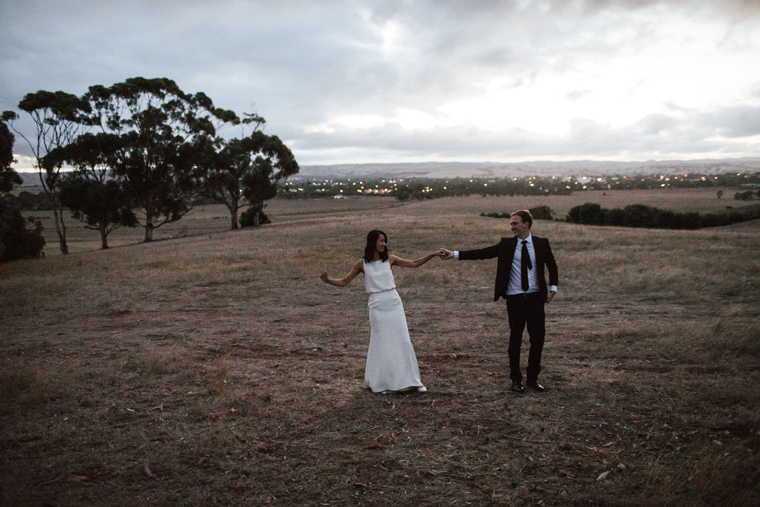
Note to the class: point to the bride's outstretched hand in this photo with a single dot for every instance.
(323, 276)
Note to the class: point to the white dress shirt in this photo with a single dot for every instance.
(515, 277)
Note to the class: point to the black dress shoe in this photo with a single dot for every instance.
(518, 387)
(536, 386)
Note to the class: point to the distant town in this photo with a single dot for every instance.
(438, 179)
(427, 188)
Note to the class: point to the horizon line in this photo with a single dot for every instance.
(28, 170)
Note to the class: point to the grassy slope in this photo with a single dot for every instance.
(222, 363)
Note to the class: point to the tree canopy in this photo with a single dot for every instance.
(16, 241)
(145, 145)
(159, 135)
(8, 177)
(58, 118)
(93, 198)
(271, 162)
(245, 171)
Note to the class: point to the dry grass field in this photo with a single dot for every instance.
(213, 367)
(215, 219)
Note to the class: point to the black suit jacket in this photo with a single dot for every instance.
(505, 251)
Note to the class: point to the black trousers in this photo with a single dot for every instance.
(525, 309)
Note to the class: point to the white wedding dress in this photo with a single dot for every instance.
(391, 363)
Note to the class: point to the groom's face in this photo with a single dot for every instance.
(519, 228)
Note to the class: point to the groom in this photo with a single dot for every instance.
(520, 280)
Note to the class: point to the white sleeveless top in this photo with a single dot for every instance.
(378, 276)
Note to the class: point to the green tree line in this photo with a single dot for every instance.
(639, 215)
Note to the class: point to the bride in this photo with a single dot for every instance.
(391, 363)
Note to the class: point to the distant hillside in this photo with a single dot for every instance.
(30, 179)
(519, 169)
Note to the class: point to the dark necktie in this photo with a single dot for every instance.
(525, 265)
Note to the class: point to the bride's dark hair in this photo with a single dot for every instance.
(369, 250)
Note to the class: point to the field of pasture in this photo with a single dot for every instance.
(214, 367)
(214, 219)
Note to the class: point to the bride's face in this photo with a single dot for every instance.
(381, 245)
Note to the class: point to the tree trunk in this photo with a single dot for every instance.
(149, 231)
(234, 217)
(60, 226)
(60, 229)
(103, 237)
(149, 217)
(257, 206)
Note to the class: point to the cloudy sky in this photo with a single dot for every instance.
(365, 81)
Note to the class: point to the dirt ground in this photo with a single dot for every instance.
(214, 368)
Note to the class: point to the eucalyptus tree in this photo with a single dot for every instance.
(93, 197)
(245, 172)
(8, 177)
(58, 119)
(160, 134)
(225, 164)
(16, 241)
(270, 161)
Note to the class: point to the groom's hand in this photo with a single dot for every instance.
(448, 254)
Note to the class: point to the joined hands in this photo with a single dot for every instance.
(444, 254)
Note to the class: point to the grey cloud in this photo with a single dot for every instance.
(654, 125)
(739, 10)
(654, 136)
(731, 9)
(733, 121)
(299, 63)
(599, 5)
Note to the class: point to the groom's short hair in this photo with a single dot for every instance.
(525, 216)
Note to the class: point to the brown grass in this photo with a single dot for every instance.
(217, 369)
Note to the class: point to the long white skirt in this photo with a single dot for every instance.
(391, 363)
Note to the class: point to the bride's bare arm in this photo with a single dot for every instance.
(406, 263)
(342, 282)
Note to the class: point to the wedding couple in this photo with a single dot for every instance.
(522, 260)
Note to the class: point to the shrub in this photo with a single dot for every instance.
(588, 213)
(26, 201)
(639, 215)
(16, 241)
(744, 196)
(614, 216)
(246, 219)
(541, 212)
(538, 212)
